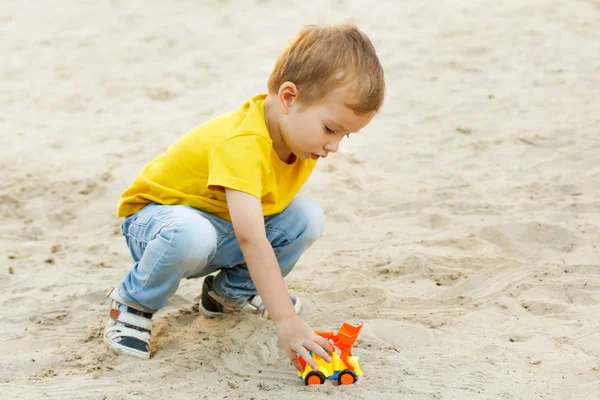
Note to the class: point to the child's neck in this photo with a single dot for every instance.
(272, 117)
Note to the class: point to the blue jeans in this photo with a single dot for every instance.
(169, 243)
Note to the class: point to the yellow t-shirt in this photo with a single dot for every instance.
(232, 151)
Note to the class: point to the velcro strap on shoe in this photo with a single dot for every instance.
(255, 306)
(118, 332)
(257, 302)
(131, 319)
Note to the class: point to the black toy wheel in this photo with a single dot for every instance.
(314, 378)
(347, 377)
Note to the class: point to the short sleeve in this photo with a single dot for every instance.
(240, 163)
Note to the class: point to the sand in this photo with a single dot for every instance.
(463, 223)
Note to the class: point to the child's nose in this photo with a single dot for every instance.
(332, 147)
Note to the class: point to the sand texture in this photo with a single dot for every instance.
(463, 223)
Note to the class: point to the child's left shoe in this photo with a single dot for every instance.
(212, 305)
(128, 330)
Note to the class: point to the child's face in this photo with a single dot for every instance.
(316, 130)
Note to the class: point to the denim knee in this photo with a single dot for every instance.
(309, 217)
(193, 242)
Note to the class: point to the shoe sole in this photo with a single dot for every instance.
(120, 349)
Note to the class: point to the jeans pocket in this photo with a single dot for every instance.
(143, 216)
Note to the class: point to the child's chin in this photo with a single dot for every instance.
(303, 156)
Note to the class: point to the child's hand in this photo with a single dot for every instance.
(297, 338)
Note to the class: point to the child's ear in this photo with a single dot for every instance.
(288, 94)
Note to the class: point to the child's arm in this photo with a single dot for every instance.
(295, 336)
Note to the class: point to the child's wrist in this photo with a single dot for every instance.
(283, 317)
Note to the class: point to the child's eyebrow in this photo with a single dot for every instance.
(338, 126)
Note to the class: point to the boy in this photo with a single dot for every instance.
(221, 198)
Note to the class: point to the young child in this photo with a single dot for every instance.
(222, 199)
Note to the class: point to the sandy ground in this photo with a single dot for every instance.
(463, 224)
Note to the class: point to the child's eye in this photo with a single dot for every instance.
(328, 129)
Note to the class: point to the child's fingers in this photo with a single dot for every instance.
(317, 349)
(297, 364)
(302, 352)
(294, 359)
(324, 343)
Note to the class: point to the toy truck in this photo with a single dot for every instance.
(343, 368)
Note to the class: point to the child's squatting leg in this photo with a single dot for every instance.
(290, 232)
(167, 243)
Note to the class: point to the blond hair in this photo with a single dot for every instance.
(320, 59)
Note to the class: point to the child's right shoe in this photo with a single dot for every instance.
(128, 330)
(212, 305)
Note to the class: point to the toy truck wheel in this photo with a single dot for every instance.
(314, 378)
(347, 377)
